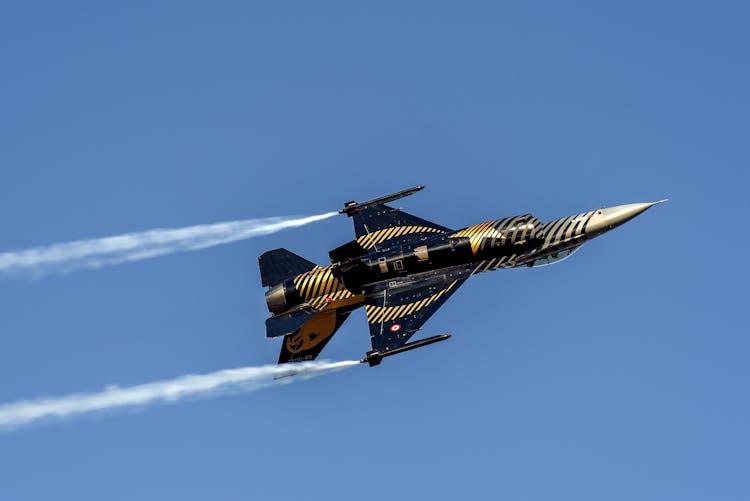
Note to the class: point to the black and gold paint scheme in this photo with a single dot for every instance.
(308, 341)
(402, 268)
(382, 314)
(371, 240)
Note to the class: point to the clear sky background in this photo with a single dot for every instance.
(619, 374)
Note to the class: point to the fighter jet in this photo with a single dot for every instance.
(402, 268)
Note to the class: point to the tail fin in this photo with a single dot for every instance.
(310, 338)
(279, 264)
(308, 341)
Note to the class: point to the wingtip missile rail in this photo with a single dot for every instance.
(374, 357)
(351, 208)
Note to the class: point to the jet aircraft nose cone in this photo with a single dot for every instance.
(608, 218)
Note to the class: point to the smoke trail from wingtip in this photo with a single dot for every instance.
(230, 381)
(94, 253)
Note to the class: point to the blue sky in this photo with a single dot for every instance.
(619, 374)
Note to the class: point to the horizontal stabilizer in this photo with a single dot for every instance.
(288, 322)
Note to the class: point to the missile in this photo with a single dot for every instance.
(350, 208)
(374, 357)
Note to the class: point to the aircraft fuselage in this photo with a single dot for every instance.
(503, 243)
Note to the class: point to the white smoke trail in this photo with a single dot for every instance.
(94, 253)
(230, 381)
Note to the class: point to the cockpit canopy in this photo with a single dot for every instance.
(554, 258)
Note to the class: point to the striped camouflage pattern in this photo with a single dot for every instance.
(563, 230)
(378, 314)
(370, 240)
(319, 286)
(402, 269)
(556, 233)
(513, 229)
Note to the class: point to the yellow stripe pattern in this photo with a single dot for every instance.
(478, 233)
(318, 286)
(377, 237)
(377, 314)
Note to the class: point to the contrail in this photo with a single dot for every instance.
(230, 381)
(94, 253)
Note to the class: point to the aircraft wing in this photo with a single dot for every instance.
(397, 309)
(382, 223)
(376, 223)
